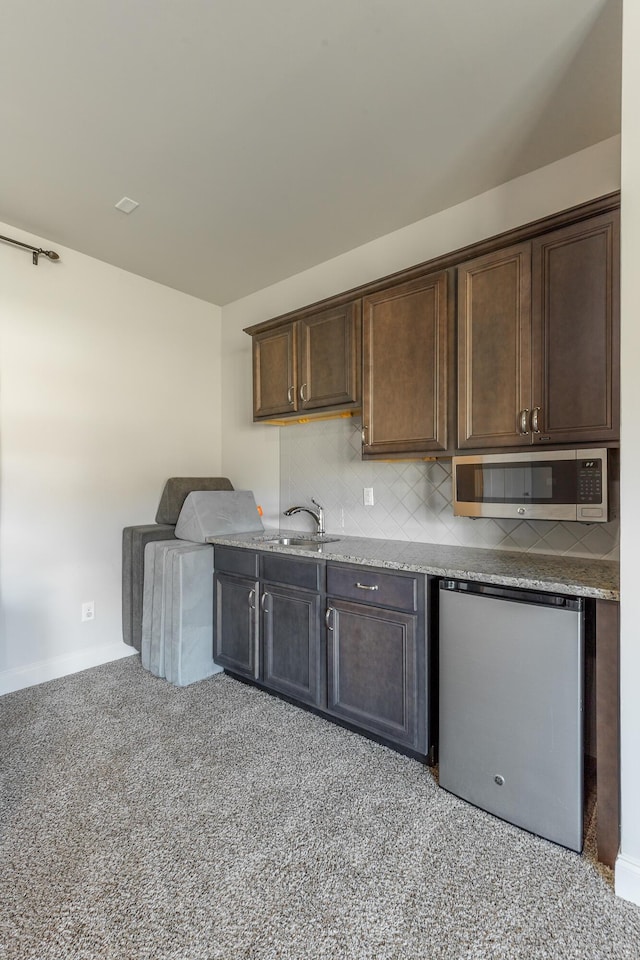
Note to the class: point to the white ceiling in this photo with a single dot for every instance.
(261, 137)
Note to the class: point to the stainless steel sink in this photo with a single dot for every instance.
(307, 543)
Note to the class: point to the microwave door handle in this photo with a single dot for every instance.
(535, 420)
(524, 418)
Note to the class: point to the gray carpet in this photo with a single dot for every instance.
(141, 820)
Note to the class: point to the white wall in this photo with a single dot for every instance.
(109, 384)
(250, 452)
(628, 865)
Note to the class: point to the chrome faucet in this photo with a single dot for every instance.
(318, 515)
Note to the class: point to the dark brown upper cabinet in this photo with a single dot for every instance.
(576, 333)
(537, 345)
(494, 349)
(308, 364)
(274, 372)
(538, 340)
(405, 352)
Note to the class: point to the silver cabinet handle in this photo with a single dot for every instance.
(364, 432)
(302, 396)
(290, 395)
(256, 647)
(253, 629)
(263, 600)
(535, 420)
(364, 586)
(524, 417)
(326, 618)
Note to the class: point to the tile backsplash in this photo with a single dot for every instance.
(412, 499)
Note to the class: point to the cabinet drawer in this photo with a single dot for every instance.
(367, 585)
(292, 570)
(244, 563)
(295, 571)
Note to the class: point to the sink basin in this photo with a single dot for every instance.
(308, 543)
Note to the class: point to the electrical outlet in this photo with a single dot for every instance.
(88, 611)
(367, 496)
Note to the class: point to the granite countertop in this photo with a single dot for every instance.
(550, 573)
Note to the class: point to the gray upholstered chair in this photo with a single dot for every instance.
(134, 540)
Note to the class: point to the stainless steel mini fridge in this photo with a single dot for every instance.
(511, 702)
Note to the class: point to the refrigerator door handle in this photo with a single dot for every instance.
(513, 594)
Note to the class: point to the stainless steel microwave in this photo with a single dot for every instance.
(536, 485)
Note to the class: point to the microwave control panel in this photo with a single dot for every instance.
(590, 481)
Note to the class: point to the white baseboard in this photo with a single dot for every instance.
(627, 878)
(20, 677)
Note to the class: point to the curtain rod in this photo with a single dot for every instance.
(37, 251)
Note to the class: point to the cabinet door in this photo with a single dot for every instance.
(274, 376)
(291, 642)
(576, 332)
(236, 625)
(372, 671)
(494, 349)
(405, 361)
(329, 358)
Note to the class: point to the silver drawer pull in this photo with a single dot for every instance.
(364, 586)
(327, 617)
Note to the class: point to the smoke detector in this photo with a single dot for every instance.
(127, 205)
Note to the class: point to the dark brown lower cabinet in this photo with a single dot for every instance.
(267, 621)
(360, 657)
(291, 642)
(236, 634)
(607, 710)
(377, 661)
(372, 676)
